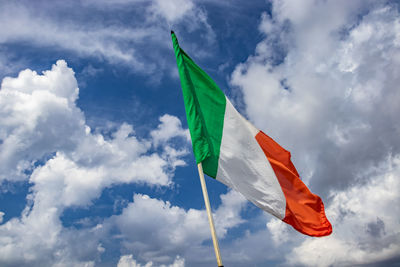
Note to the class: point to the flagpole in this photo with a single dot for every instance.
(210, 218)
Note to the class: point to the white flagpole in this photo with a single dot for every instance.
(210, 219)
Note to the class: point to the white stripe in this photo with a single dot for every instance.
(244, 167)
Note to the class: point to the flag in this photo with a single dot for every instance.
(242, 157)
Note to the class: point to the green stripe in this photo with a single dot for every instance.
(205, 110)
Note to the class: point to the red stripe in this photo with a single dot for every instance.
(304, 210)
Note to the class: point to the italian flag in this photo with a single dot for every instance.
(242, 157)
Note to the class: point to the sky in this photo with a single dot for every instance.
(96, 164)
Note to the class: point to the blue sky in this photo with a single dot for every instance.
(96, 167)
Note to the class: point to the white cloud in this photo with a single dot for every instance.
(26, 25)
(78, 165)
(172, 10)
(157, 231)
(40, 123)
(324, 84)
(366, 224)
(170, 127)
(133, 34)
(279, 231)
(336, 84)
(128, 261)
(228, 213)
(1, 216)
(38, 118)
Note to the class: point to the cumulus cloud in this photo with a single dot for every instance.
(157, 231)
(170, 127)
(328, 84)
(69, 165)
(129, 261)
(41, 120)
(39, 117)
(37, 238)
(279, 231)
(366, 224)
(45, 140)
(324, 84)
